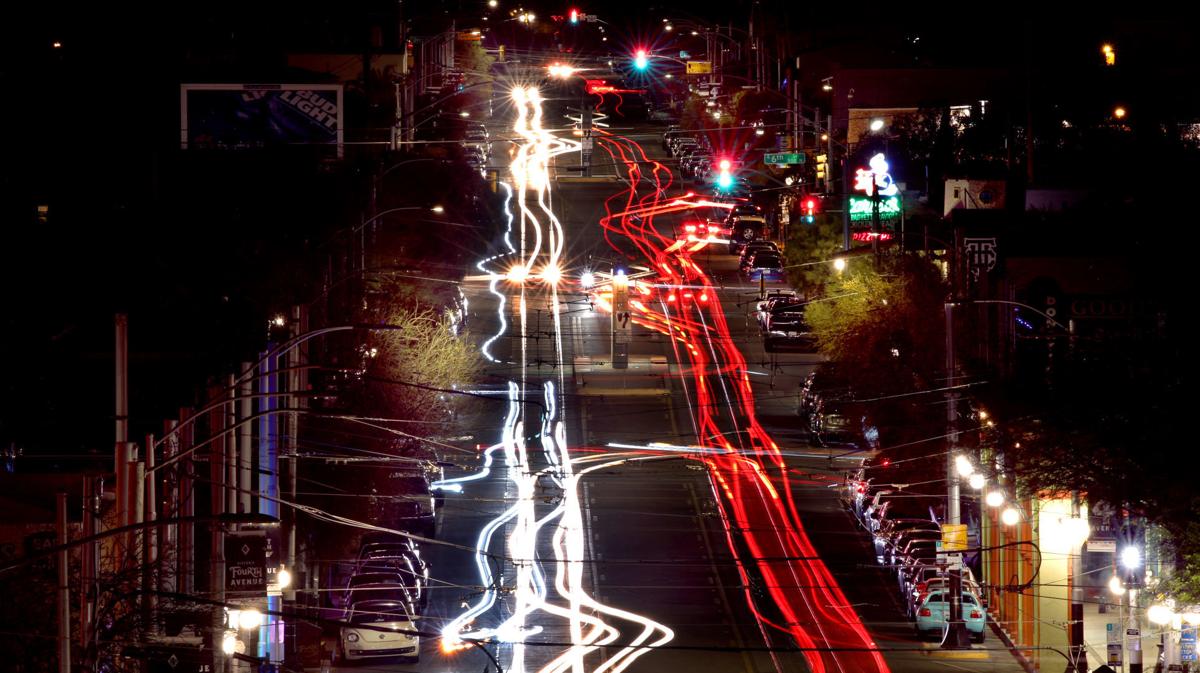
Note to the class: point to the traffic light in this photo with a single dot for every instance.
(574, 16)
(724, 178)
(809, 206)
(641, 60)
(822, 166)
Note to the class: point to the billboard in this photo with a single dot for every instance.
(256, 116)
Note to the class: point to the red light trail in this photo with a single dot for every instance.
(760, 513)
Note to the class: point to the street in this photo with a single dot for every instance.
(657, 565)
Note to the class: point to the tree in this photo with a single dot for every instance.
(884, 328)
(415, 364)
(808, 245)
(694, 116)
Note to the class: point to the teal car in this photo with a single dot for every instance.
(934, 612)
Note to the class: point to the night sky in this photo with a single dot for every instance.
(197, 251)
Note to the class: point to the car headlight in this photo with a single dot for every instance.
(352, 637)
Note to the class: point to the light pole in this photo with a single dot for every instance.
(956, 633)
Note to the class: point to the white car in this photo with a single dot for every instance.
(376, 629)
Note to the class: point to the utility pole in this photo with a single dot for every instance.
(149, 539)
(64, 587)
(846, 201)
(957, 637)
(245, 457)
(121, 450)
(296, 382)
(218, 420)
(828, 152)
(1078, 661)
(88, 561)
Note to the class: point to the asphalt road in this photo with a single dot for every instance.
(656, 542)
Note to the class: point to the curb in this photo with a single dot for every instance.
(1017, 653)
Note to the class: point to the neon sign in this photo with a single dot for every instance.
(871, 235)
(876, 177)
(862, 208)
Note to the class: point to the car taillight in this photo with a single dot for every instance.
(925, 612)
(975, 614)
(689, 228)
(920, 587)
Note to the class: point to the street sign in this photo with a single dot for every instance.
(699, 67)
(685, 55)
(1114, 633)
(783, 158)
(954, 537)
(1114, 654)
(1102, 545)
(246, 564)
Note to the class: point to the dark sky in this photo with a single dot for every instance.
(92, 127)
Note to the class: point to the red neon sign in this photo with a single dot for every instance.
(871, 235)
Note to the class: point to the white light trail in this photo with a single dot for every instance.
(528, 602)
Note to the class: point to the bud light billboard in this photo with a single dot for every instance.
(258, 116)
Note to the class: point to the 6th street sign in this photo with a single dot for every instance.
(783, 158)
(246, 564)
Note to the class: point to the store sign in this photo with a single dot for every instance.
(981, 254)
(699, 67)
(246, 564)
(876, 178)
(1187, 644)
(868, 236)
(862, 208)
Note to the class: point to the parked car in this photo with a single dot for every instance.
(379, 628)
(894, 532)
(414, 574)
(826, 381)
(941, 583)
(765, 265)
(787, 330)
(774, 299)
(370, 578)
(934, 611)
(843, 423)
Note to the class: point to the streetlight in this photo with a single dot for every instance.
(994, 498)
(963, 465)
(1131, 557)
(876, 125)
(1115, 586)
(1160, 614)
(1110, 55)
(976, 481)
(1010, 516)
(1119, 112)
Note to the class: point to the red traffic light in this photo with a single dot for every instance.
(574, 16)
(810, 205)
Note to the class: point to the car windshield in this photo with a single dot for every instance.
(382, 615)
(374, 578)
